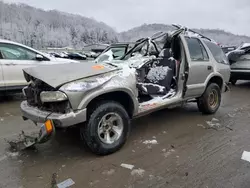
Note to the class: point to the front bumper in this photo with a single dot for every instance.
(59, 120)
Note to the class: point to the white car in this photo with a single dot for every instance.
(14, 57)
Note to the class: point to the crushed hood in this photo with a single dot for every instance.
(59, 74)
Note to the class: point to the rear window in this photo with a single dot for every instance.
(217, 52)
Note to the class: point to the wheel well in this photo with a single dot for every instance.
(218, 80)
(119, 96)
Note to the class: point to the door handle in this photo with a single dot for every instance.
(209, 67)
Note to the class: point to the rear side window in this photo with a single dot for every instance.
(217, 52)
(197, 50)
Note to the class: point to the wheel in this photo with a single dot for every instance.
(107, 128)
(233, 81)
(210, 101)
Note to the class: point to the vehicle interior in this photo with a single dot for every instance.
(159, 77)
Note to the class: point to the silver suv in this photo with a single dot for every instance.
(102, 98)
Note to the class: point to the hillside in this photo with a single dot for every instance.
(41, 29)
(38, 28)
(220, 36)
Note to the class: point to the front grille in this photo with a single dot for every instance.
(32, 93)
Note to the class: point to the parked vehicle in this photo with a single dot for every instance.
(77, 56)
(102, 98)
(227, 49)
(57, 55)
(240, 63)
(14, 57)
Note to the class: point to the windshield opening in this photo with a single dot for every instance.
(111, 54)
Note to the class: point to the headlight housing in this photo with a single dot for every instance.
(53, 96)
(87, 83)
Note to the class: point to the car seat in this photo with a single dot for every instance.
(160, 77)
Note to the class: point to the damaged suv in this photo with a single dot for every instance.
(102, 98)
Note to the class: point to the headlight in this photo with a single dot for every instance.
(87, 83)
(53, 96)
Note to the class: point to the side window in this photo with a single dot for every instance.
(204, 52)
(196, 49)
(15, 52)
(217, 52)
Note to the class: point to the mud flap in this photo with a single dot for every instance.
(227, 88)
(46, 132)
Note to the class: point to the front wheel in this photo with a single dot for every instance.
(107, 129)
(210, 101)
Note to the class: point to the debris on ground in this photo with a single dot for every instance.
(231, 115)
(8, 114)
(12, 154)
(138, 172)
(229, 128)
(67, 183)
(213, 124)
(128, 166)
(156, 178)
(3, 158)
(93, 183)
(200, 125)
(169, 152)
(108, 172)
(214, 119)
(53, 180)
(246, 156)
(1, 119)
(22, 142)
(150, 142)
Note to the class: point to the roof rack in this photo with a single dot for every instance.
(192, 31)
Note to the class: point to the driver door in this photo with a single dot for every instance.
(16, 58)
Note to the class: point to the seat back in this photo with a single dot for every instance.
(167, 60)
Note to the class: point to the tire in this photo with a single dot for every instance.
(203, 102)
(233, 81)
(95, 138)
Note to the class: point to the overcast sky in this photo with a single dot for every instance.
(230, 15)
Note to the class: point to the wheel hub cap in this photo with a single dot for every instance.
(110, 128)
(213, 99)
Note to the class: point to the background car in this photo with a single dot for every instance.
(240, 63)
(76, 56)
(227, 49)
(14, 57)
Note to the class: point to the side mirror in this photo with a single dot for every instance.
(39, 57)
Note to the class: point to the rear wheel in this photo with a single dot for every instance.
(107, 129)
(210, 101)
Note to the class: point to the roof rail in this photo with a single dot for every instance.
(194, 32)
